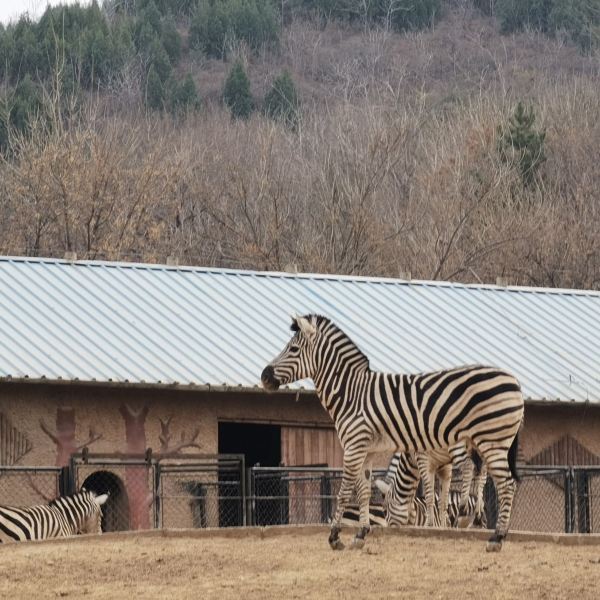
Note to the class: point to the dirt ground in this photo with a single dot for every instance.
(296, 565)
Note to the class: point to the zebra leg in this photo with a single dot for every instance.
(461, 459)
(428, 479)
(364, 496)
(353, 463)
(498, 468)
(480, 480)
(445, 475)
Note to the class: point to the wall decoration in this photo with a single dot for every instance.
(64, 437)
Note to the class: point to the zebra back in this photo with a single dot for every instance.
(64, 516)
(417, 514)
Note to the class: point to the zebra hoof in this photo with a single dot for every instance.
(495, 543)
(357, 544)
(493, 546)
(336, 544)
(463, 522)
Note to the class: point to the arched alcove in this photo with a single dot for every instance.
(115, 512)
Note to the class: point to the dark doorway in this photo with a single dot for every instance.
(260, 445)
(115, 511)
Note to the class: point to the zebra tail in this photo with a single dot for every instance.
(476, 461)
(512, 457)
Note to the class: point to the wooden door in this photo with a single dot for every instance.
(303, 446)
(309, 491)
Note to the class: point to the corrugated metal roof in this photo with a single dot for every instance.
(153, 324)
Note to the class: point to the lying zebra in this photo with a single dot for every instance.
(378, 515)
(64, 516)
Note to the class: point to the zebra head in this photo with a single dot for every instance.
(297, 359)
(399, 489)
(91, 511)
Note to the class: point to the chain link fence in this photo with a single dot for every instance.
(217, 491)
(201, 492)
(29, 486)
(296, 495)
(131, 485)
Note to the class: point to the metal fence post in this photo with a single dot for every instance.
(157, 497)
(243, 503)
(583, 500)
(250, 516)
(569, 497)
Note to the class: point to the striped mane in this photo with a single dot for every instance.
(325, 324)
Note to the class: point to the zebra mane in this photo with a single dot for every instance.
(321, 322)
(60, 501)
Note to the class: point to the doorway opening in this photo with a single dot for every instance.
(115, 511)
(261, 446)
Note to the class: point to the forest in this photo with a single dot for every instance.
(427, 139)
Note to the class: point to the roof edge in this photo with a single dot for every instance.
(192, 387)
(287, 275)
(226, 388)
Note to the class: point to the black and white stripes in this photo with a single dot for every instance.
(379, 516)
(471, 407)
(67, 515)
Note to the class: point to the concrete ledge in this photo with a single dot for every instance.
(565, 539)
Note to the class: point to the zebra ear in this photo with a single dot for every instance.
(382, 486)
(306, 327)
(100, 500)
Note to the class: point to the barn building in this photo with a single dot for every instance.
(119, 357)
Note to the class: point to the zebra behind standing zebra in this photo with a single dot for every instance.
(64, 516)
(379, 516)
(473, 406)
(404, 472)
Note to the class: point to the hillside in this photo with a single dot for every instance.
(393, 146)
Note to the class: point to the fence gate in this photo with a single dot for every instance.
(130, 482)
(295, 495)
(201, 491)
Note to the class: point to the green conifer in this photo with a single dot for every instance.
(282, 102)
(184, 96)
(521, 145)
(155, 93)
(236, 93)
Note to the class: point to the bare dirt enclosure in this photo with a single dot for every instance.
(297, 563)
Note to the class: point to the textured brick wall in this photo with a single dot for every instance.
(546, 424)
(59, 419)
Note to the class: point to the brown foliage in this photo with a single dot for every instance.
(394, 167)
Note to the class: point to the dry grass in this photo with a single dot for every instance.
(296, 566)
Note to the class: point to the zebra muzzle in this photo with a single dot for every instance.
(268, 379)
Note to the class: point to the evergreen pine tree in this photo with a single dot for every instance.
(159, 59)
(521, 145)
(184, 96)
(282, 100)
(171, 41)
(155, 94)
(236, 93)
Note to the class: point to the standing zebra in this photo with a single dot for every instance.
(473, 406)
(64, 516)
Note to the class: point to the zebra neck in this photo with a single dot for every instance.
(70, 521)
(341, 389)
